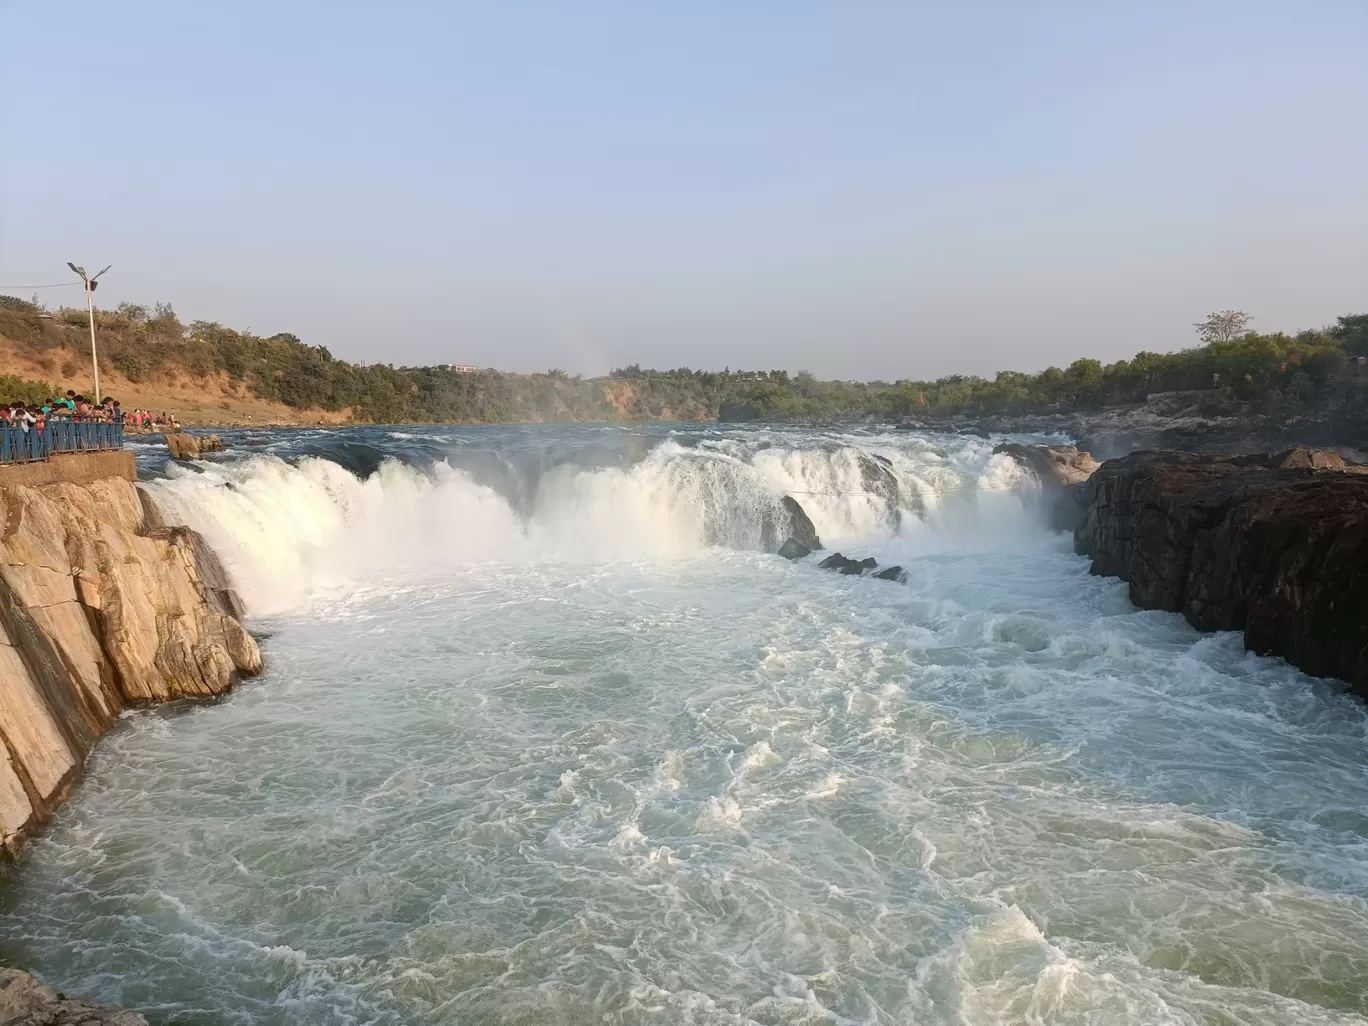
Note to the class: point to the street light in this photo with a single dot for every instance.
(90, 285)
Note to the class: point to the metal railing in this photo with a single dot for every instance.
(56, 436)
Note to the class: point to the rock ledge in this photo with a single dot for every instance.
(1273, 545)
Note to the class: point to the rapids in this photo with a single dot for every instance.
(546, 737)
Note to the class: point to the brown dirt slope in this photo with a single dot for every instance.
(215, 401)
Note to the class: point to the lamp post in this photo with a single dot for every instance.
(90, 284)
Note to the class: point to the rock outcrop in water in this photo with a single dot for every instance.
(102, 606)
(876, 473)
(26, 1002)
(1061, 471)
(795, 526)
(1057, 466)
(1273, 545)
(185, 446)
(843, 564)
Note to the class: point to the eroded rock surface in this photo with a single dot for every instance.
(1273, 545)
(26, 1002)
(185, 446)
(101, 607)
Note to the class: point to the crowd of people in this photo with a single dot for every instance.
(79, 408)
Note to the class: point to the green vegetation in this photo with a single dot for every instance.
(142, 342)
(30, 393)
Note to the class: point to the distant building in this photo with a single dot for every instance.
(458, 368)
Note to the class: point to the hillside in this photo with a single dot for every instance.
(206, 373)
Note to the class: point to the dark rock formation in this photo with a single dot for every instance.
(26, 1002)
(788, 520)
(800, 527)
(876, 474)
(1061, 470)
(844, 565)
(1274, 545)
(893, 573)
(792, 549)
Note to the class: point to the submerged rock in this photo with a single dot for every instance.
(893, 573)
(843, 565)
(1273, 545)
(26, 1002)
(794, 549)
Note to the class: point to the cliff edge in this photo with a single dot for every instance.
(1273, 545)
(102, 606)
(26, 1002)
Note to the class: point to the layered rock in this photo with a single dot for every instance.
(26, 1002)
(1273, 545)
(102, 606)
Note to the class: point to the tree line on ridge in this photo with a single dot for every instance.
(143, 342)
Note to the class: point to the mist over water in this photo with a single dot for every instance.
(546, 737)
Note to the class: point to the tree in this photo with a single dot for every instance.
(1225, 326)
(1352, 333)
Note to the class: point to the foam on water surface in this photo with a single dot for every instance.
(565, 747)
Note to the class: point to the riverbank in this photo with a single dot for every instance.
(1206, 420)
(1275, 546)
(213, 400)
(597, 711)
(102, 607)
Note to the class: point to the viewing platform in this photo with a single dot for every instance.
(18, 445)
(63, 452)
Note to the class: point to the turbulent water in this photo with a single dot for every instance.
(546, 737)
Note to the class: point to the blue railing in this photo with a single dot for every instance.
(61, 435)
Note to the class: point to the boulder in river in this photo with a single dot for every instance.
(185, 446)
(844, 565)
(794, 549)
(1273, 545)
(800, 526)
(893, 573)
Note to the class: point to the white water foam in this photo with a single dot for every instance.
(606, 762)
(287, 530)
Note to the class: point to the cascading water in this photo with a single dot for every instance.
(547, 736)
(287, 529)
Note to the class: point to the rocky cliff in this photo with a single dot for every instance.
(102, 606)
(1273, 545)
(26, 1002)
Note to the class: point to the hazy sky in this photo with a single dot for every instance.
(859, 189)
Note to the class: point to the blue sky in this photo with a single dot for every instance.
(859, 189)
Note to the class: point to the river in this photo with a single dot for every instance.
(545, 737)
